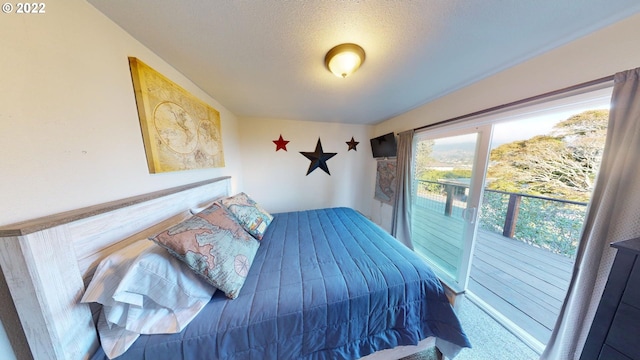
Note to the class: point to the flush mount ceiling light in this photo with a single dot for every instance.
(344, 59)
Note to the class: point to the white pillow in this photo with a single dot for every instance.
(144, 290)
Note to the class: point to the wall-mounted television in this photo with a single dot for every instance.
(384, 146)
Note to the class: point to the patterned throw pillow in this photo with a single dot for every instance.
(213, 245)
(250, 215)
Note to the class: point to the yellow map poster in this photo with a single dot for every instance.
(180, 132)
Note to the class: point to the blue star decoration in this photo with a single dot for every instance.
(318, 158)
(352, 144)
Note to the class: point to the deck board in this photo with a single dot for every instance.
(524, 300)
(524, 321)
(525, 268)
(522, 280)
(440, 240)
(552, 264)
(525, 283)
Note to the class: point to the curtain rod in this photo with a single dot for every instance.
(520, 102)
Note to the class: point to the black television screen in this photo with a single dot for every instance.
(384, 146)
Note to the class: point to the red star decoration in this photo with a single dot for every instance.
(281, 143)
(352, 144)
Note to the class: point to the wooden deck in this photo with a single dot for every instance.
(524, 283)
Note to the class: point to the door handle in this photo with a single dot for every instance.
(469, 214)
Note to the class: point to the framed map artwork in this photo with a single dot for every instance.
(386, 181)
(180, 132)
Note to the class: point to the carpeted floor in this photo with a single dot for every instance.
(489, 339)
(429, 354)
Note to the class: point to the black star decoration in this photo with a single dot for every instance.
(352, 144)
(318, 158)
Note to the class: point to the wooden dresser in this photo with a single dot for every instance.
(615, 332)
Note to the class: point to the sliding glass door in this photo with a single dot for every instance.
(446, 198)
(498, 209)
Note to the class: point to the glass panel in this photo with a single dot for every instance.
(443, 172)
(538, 184)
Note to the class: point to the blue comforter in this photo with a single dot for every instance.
(325, 284)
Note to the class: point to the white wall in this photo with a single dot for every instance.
(594, 56)
(277, 179)
(69, 129)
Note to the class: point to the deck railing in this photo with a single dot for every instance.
(548, 223)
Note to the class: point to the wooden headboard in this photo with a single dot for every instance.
(47, 261)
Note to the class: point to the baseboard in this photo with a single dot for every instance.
(402, 351)
(455, 296)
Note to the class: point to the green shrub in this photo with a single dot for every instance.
(547, 224)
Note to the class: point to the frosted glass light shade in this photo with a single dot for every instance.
(344, 59)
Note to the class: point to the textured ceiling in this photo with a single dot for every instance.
(266, 58)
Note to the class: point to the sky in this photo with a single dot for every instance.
(509, 131)
(524, 129)
(535, 119)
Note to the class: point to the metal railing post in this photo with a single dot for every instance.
(448, 206)
(511, 219)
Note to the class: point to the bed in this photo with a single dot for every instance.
(324, 284)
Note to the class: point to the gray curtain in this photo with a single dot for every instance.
(401, 219)
(613, 215)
